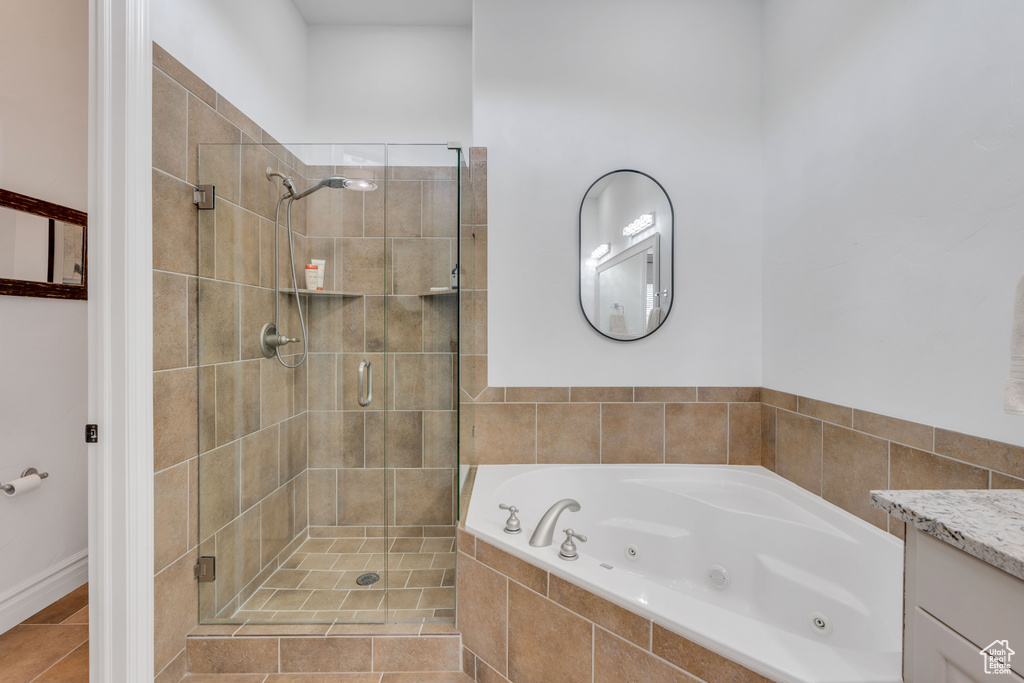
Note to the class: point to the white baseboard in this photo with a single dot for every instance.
(42, 590)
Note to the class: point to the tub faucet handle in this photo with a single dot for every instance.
(568, 549)
(512, 524)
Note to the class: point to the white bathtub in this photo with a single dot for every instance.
(789, 555)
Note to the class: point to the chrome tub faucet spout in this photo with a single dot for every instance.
(545, 530)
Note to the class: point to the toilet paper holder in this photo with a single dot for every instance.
(7, 488)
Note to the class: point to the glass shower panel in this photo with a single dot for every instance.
(422, 312)
(291, 469)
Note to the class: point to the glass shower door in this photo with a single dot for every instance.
(326, 489)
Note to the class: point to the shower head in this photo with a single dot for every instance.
(338, 182)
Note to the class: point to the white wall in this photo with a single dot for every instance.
(389, 84)
(43, 354)
(253, 52)
(565, 92)
(893, 205)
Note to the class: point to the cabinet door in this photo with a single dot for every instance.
(942, 655)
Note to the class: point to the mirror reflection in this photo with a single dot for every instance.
(39, 249)
(626, 225)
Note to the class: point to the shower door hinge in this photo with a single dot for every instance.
(92, 433)
(205, 570)
(203, 196)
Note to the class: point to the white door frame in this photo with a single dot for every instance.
(120, 342)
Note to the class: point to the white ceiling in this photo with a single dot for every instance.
(387, 12)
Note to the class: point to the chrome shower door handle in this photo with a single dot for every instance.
(365, 380)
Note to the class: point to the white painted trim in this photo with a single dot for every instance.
(42, 590)
(120, 342)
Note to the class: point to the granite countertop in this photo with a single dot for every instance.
(986, 524)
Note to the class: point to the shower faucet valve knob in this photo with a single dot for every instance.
(512, 524)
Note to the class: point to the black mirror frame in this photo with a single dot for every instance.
(48, 290)
(579, 255)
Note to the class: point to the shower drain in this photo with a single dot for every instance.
(368, 579)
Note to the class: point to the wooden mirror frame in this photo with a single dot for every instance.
(48, 290)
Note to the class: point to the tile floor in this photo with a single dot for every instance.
(51, 646)
(317, 584)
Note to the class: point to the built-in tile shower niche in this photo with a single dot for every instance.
(327, 489)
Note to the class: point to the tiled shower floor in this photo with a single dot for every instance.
(317, 584)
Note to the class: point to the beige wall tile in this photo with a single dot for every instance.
(238, 400)
(473, 377)
(219, 476)
(360, 497)
(176, 70)
(207, 405)
(277, 522)
(213, 157)
(827, 412)
(404, 209)
(665, 394)
(363, 257)
(441, 208)
(311, 655)
(700, 661)
(537, 394)
(910, 468)
(171, 515)
(1001, 481)
(697, 433)
(728, 394)
(506, 433)
(238, 556)
(373, 441)
(237, 244)
(219, 334)
(619, 621)
(779, 399)
(910, 433)
(545, 641)
(170, 321)
(322, 389)
(174, 609)
(404, 439)
(232, 655)
(323, 497)
(325, 324)
(174, 417)
(568, 432)
(632, 433)
(421, 264)
(402, 653)
(335, 439)
(525, 573)
(257, 309)
(798, 450)
(615, 660)
(440, 446)
(1001, 457)
(601, 394)
(744, 433)
(405, 324)
(334, 214)
(768, 418)
(175, 227)
(259, 465)
(293, 446)
(423, 382)
(366, 333)
(235, 116)
(441, 324)
(259, 194)
(424, 496)
(170, 126)
(277, 384)
(853, 464)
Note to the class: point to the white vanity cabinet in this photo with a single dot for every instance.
(955, 605)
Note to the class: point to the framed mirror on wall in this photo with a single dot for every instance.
(626, 247)
(43, 248)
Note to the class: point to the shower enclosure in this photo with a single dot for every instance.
(328, 470)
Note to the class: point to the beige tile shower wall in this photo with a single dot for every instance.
(252, 432)
(352, 493)
(842, 453)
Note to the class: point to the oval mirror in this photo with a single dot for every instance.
(626, 227)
